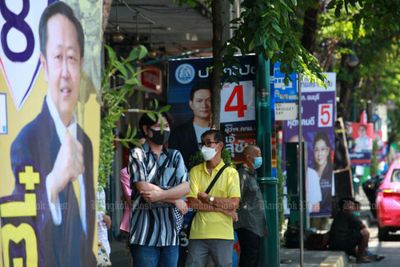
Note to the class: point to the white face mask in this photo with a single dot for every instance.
(208, 153)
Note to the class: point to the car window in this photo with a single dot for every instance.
(396, 176)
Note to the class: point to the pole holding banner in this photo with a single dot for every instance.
(300, 172)
(269, 244)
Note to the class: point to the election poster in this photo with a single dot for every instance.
(360, 138)
(190, 96)
(317, 119)
(50, 56)
(283, 105)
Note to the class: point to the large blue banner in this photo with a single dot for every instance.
(190, 96)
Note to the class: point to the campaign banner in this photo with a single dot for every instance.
(282, 92)
(360, 137)
(50, 58)
(283, 103)
(317, 118)
(191, 105)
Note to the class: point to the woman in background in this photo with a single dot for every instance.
(322, 163)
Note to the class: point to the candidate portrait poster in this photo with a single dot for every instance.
(360, 139)
(318, 116)
(49, 131)
(237, 114)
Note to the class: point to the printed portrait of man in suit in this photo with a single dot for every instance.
(186, 137)
(57, 148)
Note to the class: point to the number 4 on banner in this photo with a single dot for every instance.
(240, 107)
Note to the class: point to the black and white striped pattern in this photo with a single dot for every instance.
(155, 224)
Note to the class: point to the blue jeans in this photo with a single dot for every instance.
(150, 256)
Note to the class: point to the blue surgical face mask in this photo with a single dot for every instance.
(257, 162)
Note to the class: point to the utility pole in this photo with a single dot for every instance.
(269, 253)
(300, 170)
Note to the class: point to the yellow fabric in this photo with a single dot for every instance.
(213, 225)
(77, 191)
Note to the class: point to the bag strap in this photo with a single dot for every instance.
(210, 186)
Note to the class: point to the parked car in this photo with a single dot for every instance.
(388, 202)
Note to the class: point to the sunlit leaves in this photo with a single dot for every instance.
(270, 28)
(114, 103)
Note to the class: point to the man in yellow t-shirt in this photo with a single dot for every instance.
(212, 228)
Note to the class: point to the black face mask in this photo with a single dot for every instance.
(159, 138)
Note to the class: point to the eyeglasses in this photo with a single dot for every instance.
(207, 143)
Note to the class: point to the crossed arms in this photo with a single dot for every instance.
(227, 206)
(153, 193)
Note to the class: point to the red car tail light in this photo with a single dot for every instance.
(390, 192)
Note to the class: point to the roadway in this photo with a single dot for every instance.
(389, 248)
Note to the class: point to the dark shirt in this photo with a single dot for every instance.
(183, 138)
(345, 228)
(251, 208)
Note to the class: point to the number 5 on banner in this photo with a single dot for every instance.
(325, 113)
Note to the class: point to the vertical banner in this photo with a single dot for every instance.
(190, 96)
(360, 139)
(50, 56)
(283, 104)
(318, 116)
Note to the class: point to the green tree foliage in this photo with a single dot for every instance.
(369, 29)
(272, 28)
(114, 104)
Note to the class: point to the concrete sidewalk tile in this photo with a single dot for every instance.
(334, 261)
(324, 258)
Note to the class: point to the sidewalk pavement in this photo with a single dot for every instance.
(120, 257)
(323, 258)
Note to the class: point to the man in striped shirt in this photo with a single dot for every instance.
(159, 179)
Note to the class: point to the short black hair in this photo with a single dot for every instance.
(65, 10)
(146, 120)
(345, 200)
(218, 136)
(200, 85)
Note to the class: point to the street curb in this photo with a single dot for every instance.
(334, 261)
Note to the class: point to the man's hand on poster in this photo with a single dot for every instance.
(67, 167)
(107, 220)
(315, 207)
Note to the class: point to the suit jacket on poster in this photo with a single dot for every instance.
(183, 138)
(67, 244)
